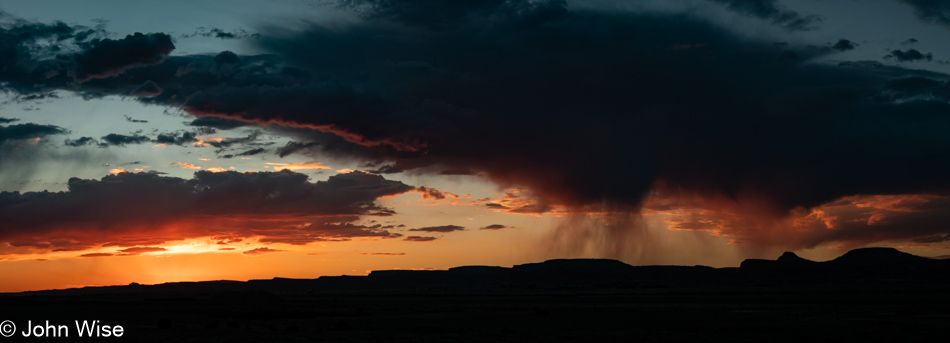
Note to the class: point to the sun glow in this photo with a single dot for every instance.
(296, 166)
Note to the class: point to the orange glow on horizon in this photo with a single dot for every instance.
(297, 166)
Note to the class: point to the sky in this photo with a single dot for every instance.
(170, 141)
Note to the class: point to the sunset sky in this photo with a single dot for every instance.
(182, 140)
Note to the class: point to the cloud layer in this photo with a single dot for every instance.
(586, 108)
(129, 209)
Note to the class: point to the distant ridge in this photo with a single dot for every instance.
(790, 257)
(866, 268)
(881, 257)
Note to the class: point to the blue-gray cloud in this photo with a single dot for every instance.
(931, 11)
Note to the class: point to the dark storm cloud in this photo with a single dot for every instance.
(442, 228)
(227, 142)
(177, 138)
(108, 57)
(17, 41)
(844, 45)
(292, 147)
(33, 64)
(148, 88)
(121, 140)
(218, 123)
(139, 209)
(7, 120)
(910, 55)
(725, 106)
(772, 11)
(251, 152)
(494, 227)
(931, 11)
(585, 108)
(82, 141)
(28, 131)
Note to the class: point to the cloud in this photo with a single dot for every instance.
(910, 55)
(846, 223)
(844, 45)
(146, 209)
(443, 228)
(22, 42)
(260, 251)
(930, 11)
(292, 147)
(383, 253)
(133, 251)
(772, 11)
(225, 142)
(7, 120)
(494, 227)
(121, 140)
(588, 109)
(98, 254)
(148, 88)
(35, 97)
(667, 130)
(218, 123)
(28, 131)
(200, 138)
(184, 165)
(80, 142)
(220, 34)
(107, 57)
(432, 193)
(251, 152)
(419, 239)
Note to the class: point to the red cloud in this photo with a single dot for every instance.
(849, 222)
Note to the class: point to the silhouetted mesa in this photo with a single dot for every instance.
(565, 300)
(868, 268)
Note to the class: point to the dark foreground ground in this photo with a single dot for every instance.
(868, 297)
(660, 317)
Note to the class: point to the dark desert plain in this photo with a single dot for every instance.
(475, 171)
